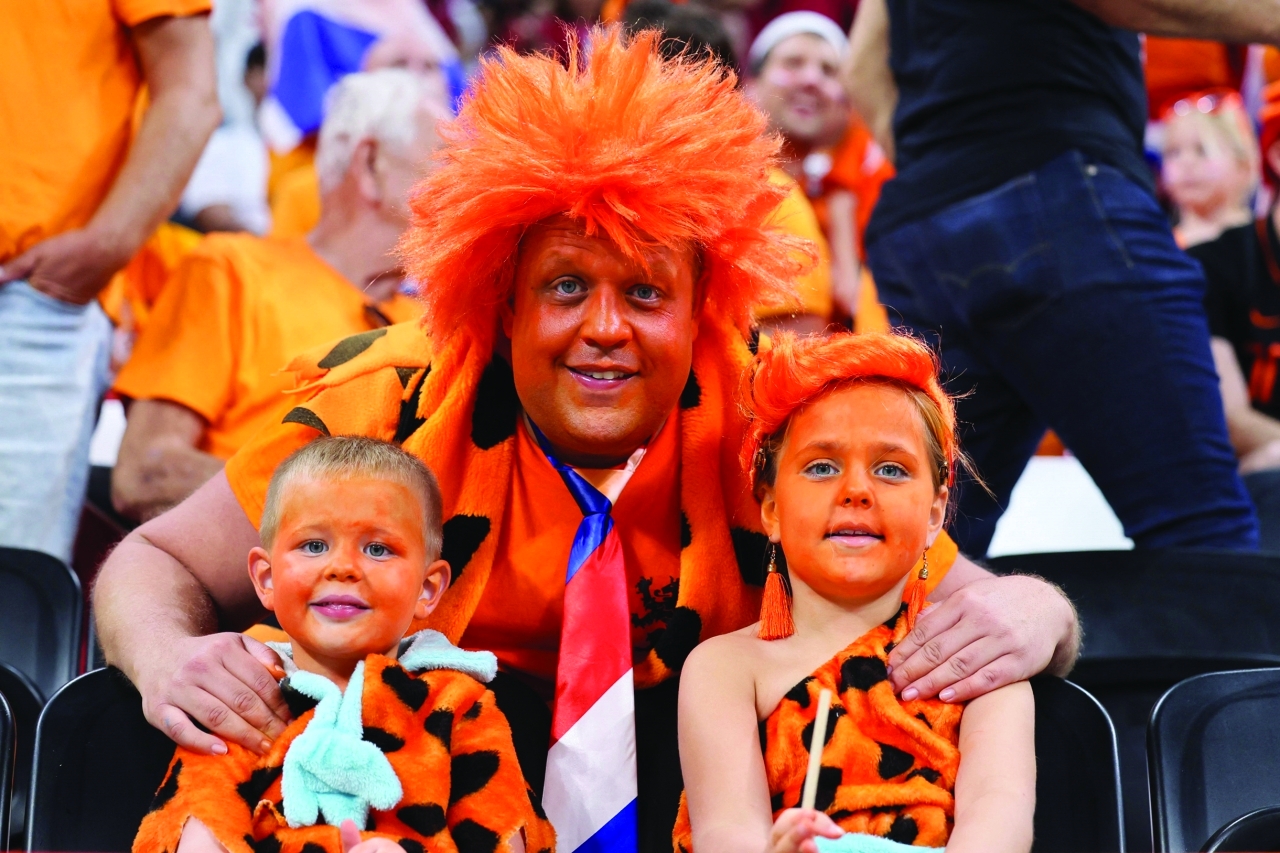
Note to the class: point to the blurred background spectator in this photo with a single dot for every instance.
(205, 375)
(88, 168)
(1210, 164)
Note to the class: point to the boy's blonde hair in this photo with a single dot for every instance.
(345, 457)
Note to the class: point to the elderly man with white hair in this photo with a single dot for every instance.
(205, 373)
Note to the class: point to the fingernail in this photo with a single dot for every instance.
(909, 694)
(947, 695)
(264, 746)
(888, 670)
(219, 748)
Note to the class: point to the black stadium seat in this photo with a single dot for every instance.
(97, 766)
(1215, 755)
(24, 704)
(1256, 832)
(6, 766)
(40, 618)
(1078, 804)
(1152, 619)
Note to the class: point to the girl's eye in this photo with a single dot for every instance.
(645, 292)
(568, 287)
(377, 550)
(891, 469)
(821, 469)
(315, 546)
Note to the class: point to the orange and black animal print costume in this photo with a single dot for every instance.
(888, 768)
(445, 738)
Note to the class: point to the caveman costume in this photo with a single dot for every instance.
(415, 751)
(642, 151)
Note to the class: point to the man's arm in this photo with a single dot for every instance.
(1255, 436)
(158, 465)
(985, 632)
(176, 55)
(870, 84)
(1236, 21)
(157, 601)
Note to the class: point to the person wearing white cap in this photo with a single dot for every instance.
(793, 74)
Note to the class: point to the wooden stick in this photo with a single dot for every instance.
(815, 750)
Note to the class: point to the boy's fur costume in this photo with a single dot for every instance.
(889, 767)
(441, 731)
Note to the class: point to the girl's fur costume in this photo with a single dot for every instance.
(441, 732)
(888, 768)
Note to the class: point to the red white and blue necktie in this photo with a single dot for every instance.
(590, 789)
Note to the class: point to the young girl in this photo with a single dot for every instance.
(851, 448)
(1210, 164)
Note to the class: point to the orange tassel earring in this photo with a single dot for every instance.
(775, 610)
(916, 597)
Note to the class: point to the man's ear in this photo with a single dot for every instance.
(937, 515)
(260, 574)
(507, 315)
(433, 587)
(365, 169)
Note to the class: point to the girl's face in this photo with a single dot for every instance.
(1200, 170)
(854, 505)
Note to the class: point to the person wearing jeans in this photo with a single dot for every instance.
(1021, 238)
(79, 194)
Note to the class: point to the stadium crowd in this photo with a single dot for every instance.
(560, 263)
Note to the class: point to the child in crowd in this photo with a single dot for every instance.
(851, 448)
(398, 737)
(1210, 164)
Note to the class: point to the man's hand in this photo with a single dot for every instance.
(991, 632)
(226, 683)
(71, 267)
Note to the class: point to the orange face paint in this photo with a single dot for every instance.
(348, 571)
(854, 504)
(601, 345)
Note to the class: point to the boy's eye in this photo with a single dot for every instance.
(821, 469)
(315, 546)
(568, 287)
(377, 550)
(645, 292)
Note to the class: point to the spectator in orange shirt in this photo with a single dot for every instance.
(79, 194)
(205, 373)
(794, 76)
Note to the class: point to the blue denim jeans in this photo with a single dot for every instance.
(1060, 300)
(54, 364)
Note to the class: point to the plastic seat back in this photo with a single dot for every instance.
(1152, 618)
(1256, 832)
(98, 763)
(1214, 750)
(1078, 801)
(24, 704)
(6, 766)
(40, 614)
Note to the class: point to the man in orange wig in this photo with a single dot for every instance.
(589, 250)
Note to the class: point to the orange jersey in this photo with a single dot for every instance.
(68, 87)
(131, 293)
(533, 555)
(796, 216)
(888, 767)
(236, 310)
(859, 165)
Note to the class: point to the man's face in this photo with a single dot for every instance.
(600, 349)
(799, 87)
(404, 165)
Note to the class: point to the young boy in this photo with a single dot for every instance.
(396, 737)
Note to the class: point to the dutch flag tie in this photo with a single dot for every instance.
(590, 789)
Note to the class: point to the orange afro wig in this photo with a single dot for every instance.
(641, 150)
(797, 371)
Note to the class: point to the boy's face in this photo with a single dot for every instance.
(348, 571)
